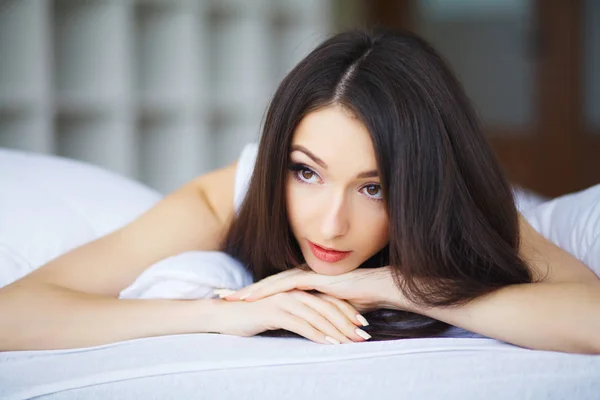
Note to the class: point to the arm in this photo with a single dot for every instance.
(41, 316)
(542, 316)
(194, 217)
(558, 316)
(72, 300)
(561, 313)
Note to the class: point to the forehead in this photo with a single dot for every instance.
(333, 133)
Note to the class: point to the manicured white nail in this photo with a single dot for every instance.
(244, 297)
(362, 334)
(362, 320)
(332, 340)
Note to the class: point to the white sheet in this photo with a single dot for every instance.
(210, 366)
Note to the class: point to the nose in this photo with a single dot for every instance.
(335, 222)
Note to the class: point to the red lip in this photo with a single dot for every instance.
(327, 255)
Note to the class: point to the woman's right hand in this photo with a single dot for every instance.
(317, 317)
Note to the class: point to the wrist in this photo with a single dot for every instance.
(207, 314)
(391, 299)
(389, 295)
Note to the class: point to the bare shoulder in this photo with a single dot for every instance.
(198, 213)
(217, 188)
(193, 217)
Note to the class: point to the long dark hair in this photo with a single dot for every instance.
(454, 230)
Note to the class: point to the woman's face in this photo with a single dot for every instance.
(333, 194)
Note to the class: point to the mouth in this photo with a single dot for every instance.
(327, 255)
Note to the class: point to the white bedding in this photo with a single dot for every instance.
(209, 366)
(49, 205)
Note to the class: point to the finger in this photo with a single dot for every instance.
(316, 319)
(243, 293)
(297, 325)
(334, 315)
(352, 313)
(240, 294)
(298, 281)
(288, 280)
(222, 292)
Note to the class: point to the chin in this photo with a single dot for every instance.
(325, 268)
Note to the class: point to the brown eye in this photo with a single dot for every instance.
(307, 174)
(373, 191)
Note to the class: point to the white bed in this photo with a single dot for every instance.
(210, 366)
(49, 205)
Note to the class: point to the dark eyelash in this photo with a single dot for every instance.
(298, 167)
(301, 167)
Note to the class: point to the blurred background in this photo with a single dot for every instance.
(164, 90)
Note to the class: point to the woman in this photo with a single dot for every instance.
(373, 191)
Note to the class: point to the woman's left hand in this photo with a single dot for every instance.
(366, 289)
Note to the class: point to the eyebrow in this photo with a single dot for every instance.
(365, 174)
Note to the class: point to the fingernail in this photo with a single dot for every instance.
(244, 297)
(362, 334)
(362, 320)
(332, 340)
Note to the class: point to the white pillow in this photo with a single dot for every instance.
(526, 199)
(50, 205)
(572, 222)
(190, 275)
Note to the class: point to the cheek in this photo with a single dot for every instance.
(295, 199)
(375, 234)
